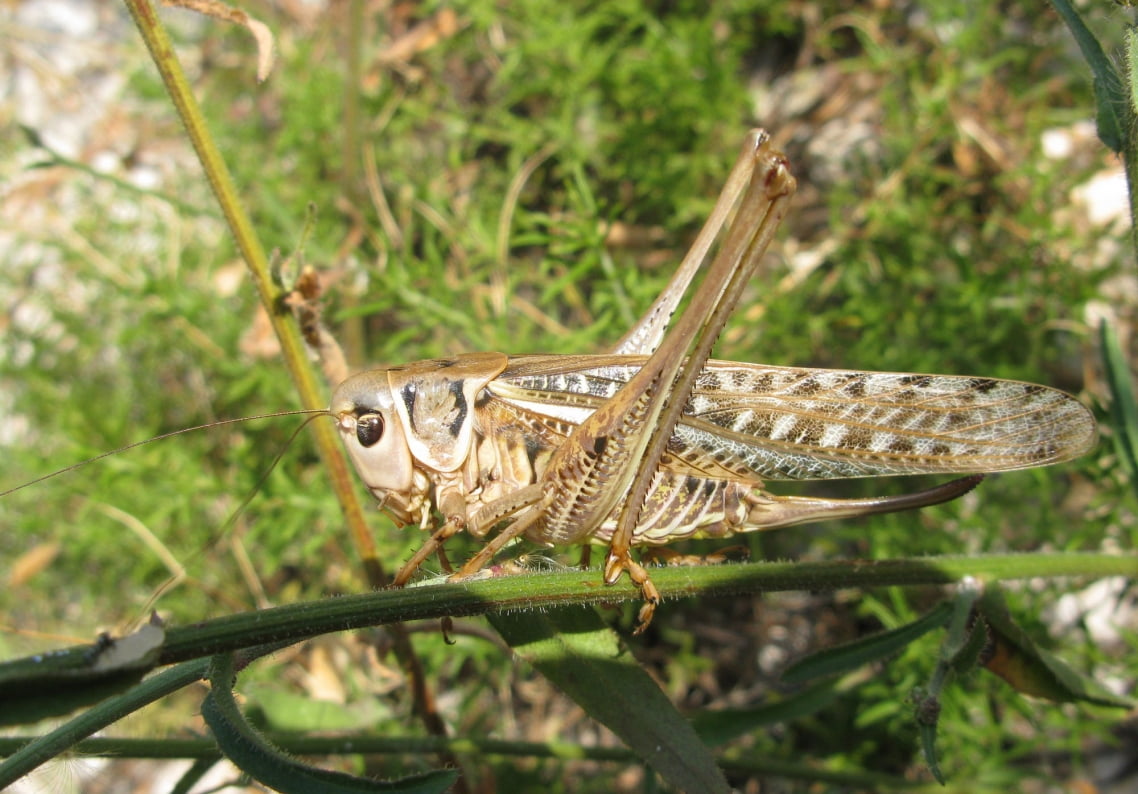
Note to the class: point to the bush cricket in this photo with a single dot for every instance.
(655, 442)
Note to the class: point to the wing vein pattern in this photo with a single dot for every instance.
(757, 422)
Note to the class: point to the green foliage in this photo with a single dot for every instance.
(506, 149)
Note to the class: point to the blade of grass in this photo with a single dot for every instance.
(1123, 408)
(575, 650)
(1110, 100)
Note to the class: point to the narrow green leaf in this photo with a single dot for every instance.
(719, 727)
(54, 697)
(967, 657)
(196, 772)
(928, 712)
(59, 740)
(1131, 46)
(958, 632)
(1014, 657)
(959, 639)
(843, 658)
(1130, 154)
(1110, 99)
(259, 759)
(1123, 409)
(574, 649)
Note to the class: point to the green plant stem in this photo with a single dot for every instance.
(334, 745)
(511, 593)
(125, 185)
(292, 346)
(356, 744)
(295, 622)
(522, 592)
(1130, 137)
(350, 181)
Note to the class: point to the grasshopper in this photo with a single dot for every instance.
(655, 442)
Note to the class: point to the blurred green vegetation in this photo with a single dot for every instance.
(940, 238)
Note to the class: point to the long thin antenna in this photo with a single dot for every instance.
(230, 522)
(82, 463)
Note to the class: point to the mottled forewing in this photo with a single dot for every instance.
(783, 423)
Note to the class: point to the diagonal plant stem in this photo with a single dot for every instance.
(292, 347)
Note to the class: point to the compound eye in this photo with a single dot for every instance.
(369, 429)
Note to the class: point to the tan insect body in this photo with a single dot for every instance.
(654, 442)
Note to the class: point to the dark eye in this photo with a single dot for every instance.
(369, 429)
